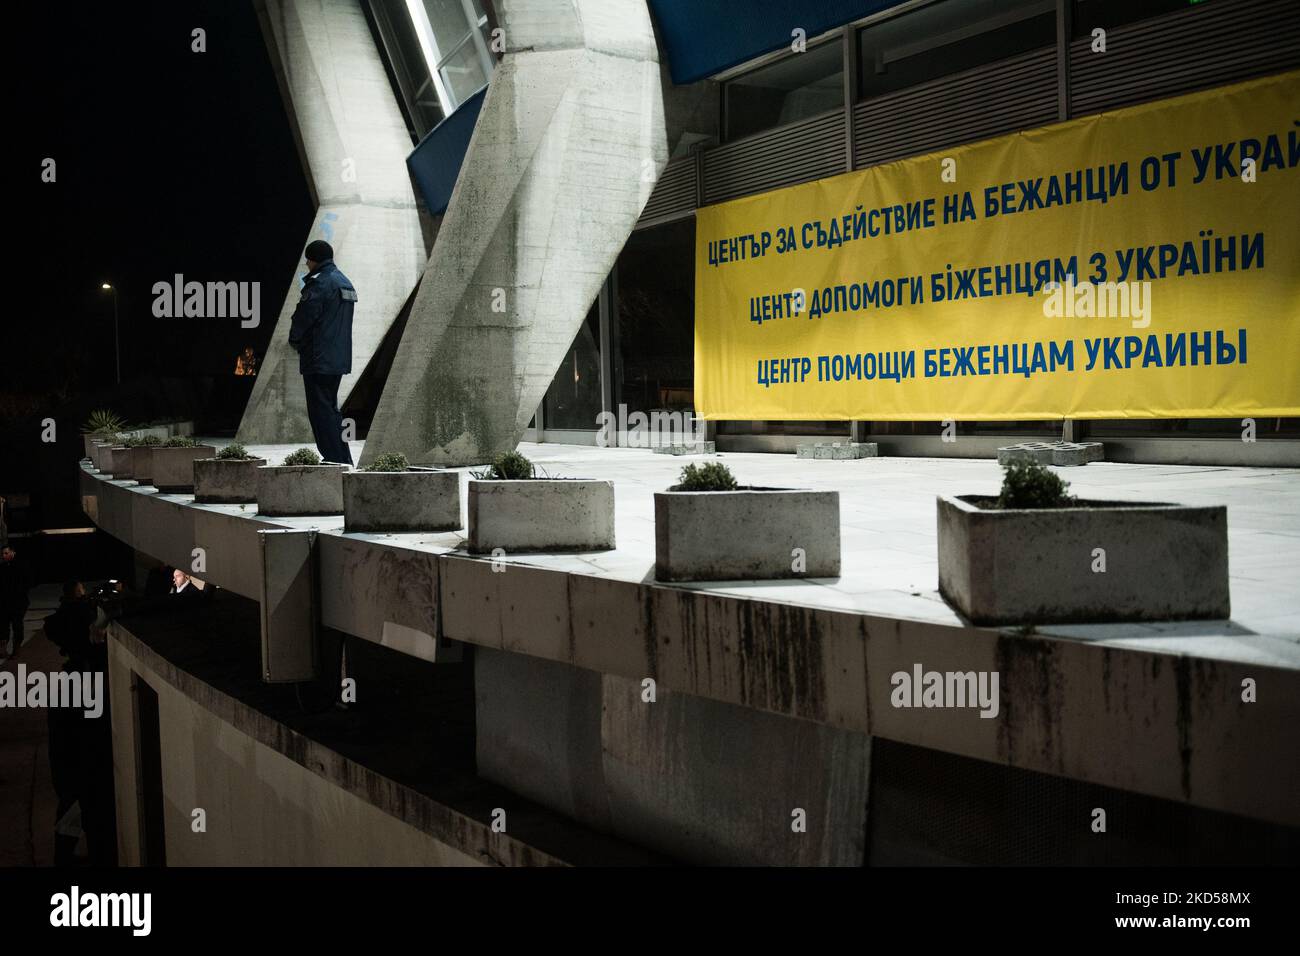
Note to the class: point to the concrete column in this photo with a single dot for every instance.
(289, 613)
(354, 145)
(564, 156)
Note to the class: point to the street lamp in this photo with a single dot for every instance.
(117, 349)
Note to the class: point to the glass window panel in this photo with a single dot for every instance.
(656, 319)
(450, 26)
(834, 429)
(949, 37)
(1107, 14)
(1017, 429)
(793, 88)
(1265, 428)
(573, 399)
(408, 63)
(463, 73)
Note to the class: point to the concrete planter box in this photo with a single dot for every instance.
(89, 441)
(541, 514)
(173, 468)
(101, 455)
(1163, 562)
(398, 501)
(119, 461)
(749, 534)
(300, 489)
(226, 480)
(158, 431)
(142, 463)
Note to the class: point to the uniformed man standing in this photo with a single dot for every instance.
(322, 334)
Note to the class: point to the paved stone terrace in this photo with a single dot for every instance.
(888, 533)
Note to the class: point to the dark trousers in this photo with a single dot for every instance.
(326, 422)
(11, 619)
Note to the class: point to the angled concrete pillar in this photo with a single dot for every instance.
(566, 152)
(354, 145)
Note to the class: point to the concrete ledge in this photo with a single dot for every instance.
(401, 501)
(789, 534)
(173, 468)
(169, 527)
(300, 489)
(1161, 562)
(382, 593)
(226, 480)
(541, 514)
(1156, 711)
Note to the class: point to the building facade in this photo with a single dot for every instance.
(775, 94)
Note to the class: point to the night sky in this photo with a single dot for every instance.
(169, 161)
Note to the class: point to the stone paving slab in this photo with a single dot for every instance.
(838, 450)
(1063, 454)
(691, 448)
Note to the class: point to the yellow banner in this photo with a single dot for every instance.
(1137, 264)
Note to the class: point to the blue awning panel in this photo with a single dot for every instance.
(704, 37)
(435, 162)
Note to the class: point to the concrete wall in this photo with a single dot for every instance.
(698, 780)
(262, 809)
(354, 143)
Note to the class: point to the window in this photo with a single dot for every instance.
(656, 319)
(793, 88)
(573, 399)
(407, 68)
(813, 429)
(949, 37)
(1107, 14)
(453, 39)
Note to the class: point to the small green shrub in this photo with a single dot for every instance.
(179, 441)
(303, 456)
(710, 476)
(150, 440)
(510, 466)
(1027, 484)
(392, 462)
(103, 421)
(132, 441)
(234, 452)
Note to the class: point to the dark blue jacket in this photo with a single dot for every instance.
(322, 322)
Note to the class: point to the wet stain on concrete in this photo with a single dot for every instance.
(1031, 685)
(781, 662)
(1182, 679)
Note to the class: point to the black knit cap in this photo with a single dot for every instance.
(318, 250)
